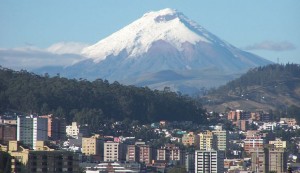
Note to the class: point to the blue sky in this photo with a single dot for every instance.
(267, 28)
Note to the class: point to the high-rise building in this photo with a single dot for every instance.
(145, 154)
(209, 161)
(253, 142)
(56, 127)
(190, 162)
(242, 124)
(132, 153)
(277, 159)
(7, 133)
(32, 129)
(92, 146)
(114, 151)
(268, 159)
(221, 139)
(207, 140)
(171, 153)
(259, 160)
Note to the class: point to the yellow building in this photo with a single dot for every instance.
(91, 146)
(278, 143)
(207, 140)
(43, 159)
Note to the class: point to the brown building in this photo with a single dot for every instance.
(238, 115)
(260, 116)
(132, 153)
(43, 159)
(253, 143)
(7, 133)
(56, 127)
(145, 154)
(242, 124)
(171, 153)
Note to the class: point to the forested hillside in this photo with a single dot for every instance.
(271, 87)
(91, 102)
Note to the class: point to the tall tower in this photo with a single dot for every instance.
(207, 140)
(221, 139)
(209, 161)
(277, 159)
(32, 129)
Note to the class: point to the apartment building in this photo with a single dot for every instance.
(207, 140)
(132, 153)
(268, 159)
(253, 142)
(92, 146)
(259, 158)
(145, 154)
(31, 129)
(72, 130)
(7, 133)
(238, 115)
(114, 151)
(56, 127)
(171, 153)
(242, 124)
(211, 161)
(278, 143)
(277, 159)
(43, 159)
(190, 139)
(221, 139)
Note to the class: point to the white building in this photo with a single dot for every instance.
(268, 126)
(32, 129)
(72, 130)
(210, 161)
(114, 151)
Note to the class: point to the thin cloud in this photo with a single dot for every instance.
(31, 58)
(272, 46)
(67, 48)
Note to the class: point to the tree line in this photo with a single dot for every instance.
(92, 101)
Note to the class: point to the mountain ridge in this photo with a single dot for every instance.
(262, 89)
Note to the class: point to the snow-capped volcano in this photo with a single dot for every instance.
(137, 38)
(164, 48)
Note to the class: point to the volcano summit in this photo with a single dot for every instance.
(164, 48)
